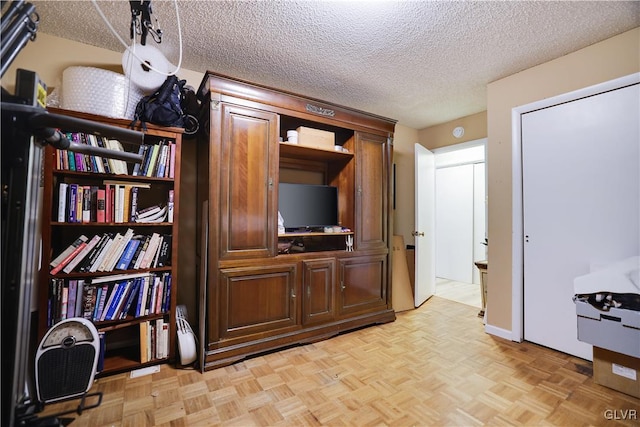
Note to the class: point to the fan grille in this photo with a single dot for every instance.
(65, 372)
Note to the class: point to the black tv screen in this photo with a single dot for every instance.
(307, 206)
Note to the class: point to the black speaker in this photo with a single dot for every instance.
(66, 360)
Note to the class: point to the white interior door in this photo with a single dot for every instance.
(454, 223)
(581, 205)
(425, 272)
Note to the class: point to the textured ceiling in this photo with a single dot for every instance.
(420, 62)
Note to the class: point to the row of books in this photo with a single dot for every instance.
(73, 161)
(117, 201)
(154, 340)
(109, 298)
(114, 251)
(158, 160)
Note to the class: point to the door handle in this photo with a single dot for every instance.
(417, 234)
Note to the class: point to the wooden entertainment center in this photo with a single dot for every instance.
(256, 298)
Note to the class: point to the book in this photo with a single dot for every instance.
(158, 216)
(172, 160)
(119, 167)
(134, 204)
(117, 253)
(93, 214)
(72, 203)
(82, 254)
(170, 207)
(164, 253)
(162, 160)
(106, 259)
(86, 203)
(159, 296)
(101, 298)
(144, 166)
(86, 263)
(57, 260)
(62, 201)
(119, 300)
(148, 211)
(79, 294)
(101, 205)
(151, 251)
(108, 211)
(159, 334)
(136, 167)
(98, 162)
(154, 263)
(144, 331)
(133, 293)
(65, 301)
(127, 254)
(79, 203)
(97, 262)
(109, 305)
(72, 255)
(153, 160)
(149, 296)
(88, 301)
(143, 251)
(142, 296)
(71, 299)
(167, 293)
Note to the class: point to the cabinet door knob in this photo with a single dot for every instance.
(418, 234)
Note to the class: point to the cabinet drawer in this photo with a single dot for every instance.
(362, 284)
(318, 286)
(257, 300)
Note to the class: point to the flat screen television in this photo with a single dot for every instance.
(305, 206)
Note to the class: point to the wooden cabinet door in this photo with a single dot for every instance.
(257, 300)
(363, 284)
(372, 191)
(248, 173)
(318, 287)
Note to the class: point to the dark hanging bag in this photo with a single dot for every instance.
(162, 107)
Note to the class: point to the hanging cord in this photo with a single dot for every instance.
(124, 44)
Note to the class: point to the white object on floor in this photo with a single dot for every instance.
(144, 371)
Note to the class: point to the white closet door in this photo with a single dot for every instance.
(454, 223)
(581, 205)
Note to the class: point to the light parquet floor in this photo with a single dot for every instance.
(433, 366)
(466, 293)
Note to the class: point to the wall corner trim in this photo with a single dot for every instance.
(499, 332)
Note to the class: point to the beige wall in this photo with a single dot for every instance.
(48, 56)
(607, 60)
(475, 127)
(403, 155)
(404, 139)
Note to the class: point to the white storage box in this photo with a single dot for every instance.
(617, 330)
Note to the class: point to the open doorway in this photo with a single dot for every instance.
(460, 220)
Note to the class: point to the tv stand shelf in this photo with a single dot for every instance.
(311, 153)
(314, 233)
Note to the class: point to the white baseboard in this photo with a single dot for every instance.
(499, 332)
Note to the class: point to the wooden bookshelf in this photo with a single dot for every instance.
(59, 229)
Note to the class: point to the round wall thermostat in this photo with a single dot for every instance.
(458, 132)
